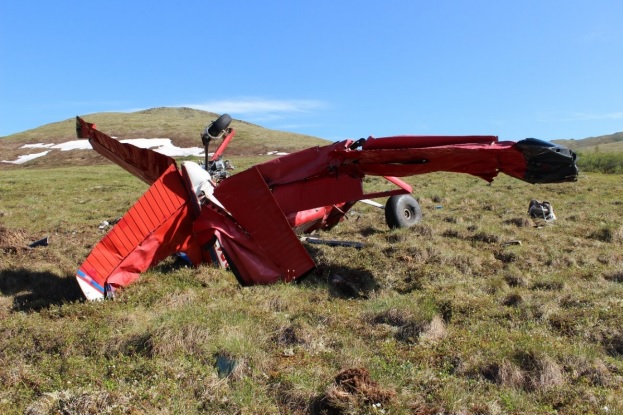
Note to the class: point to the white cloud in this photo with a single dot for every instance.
(580, 116)
(593, 116)
(257, 106)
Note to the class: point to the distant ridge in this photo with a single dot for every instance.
(610, 142)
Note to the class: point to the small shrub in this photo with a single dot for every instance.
(548, 285)
(563, 323)
(514, 280)
(605, 234)
(451, 233)
(512, 300)
(540, 370)
(393, 317)
(613, 343)
(410, 332)
(485, 237)
(519, 222)
(287, 336)
(505, 257)
(352, 391)
(616, 276)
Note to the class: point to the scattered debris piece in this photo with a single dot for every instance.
(40, 242)
(106, 223)
(512, 242)
(225, 364)
(332, 242)
(372, 203)
(541, 210)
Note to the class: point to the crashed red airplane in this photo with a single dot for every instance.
(249, 222)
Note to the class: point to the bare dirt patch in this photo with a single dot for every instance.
(12, 240)
(352, 388)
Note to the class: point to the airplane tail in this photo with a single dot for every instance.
(258, 246)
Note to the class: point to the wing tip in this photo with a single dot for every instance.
(91, 289)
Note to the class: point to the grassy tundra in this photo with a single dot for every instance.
(477, 310)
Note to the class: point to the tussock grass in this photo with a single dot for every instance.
(453, 316)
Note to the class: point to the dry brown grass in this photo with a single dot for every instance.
(80, 402)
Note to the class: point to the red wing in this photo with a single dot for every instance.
(144, 163)
(482, 160)
(156, 226)
(531, 160)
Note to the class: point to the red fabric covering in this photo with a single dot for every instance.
(247, 197)
(421, 141)
(144, 163)
(482, 160)
(156, 226)
(317, 192)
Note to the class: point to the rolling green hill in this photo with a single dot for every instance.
(182, 125)
(611, 142)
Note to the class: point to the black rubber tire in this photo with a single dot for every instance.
(219, 125)
(402, 211)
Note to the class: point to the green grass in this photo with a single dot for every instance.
(443, 318)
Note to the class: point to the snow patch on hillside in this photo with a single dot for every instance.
(160, 145)
(27, 157)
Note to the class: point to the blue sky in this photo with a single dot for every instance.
(333, 69)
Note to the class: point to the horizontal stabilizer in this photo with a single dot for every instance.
(144, 163)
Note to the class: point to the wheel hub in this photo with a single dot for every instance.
(407, 213)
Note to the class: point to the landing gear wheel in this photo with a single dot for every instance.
(219, 125)
(402, 211)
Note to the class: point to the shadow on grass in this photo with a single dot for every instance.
(34, 290)
(341, 281)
